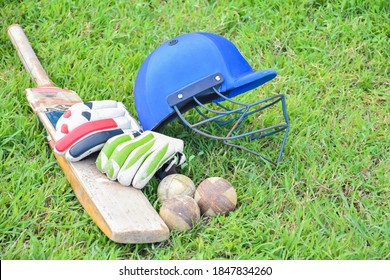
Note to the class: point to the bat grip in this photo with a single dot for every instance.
(28, 56)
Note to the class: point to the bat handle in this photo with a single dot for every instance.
(28, 56)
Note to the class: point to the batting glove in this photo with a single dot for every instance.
(134, 161)
(85, 127)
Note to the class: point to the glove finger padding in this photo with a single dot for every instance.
(85, 127)
(81, 113)
(135, 161)
(122, 151)
(109, 148)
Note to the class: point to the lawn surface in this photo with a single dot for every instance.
(327, 199)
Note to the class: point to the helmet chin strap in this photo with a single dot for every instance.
(243, 111)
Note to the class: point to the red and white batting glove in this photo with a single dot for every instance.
(85, 127)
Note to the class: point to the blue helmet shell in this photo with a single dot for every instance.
(183, 61)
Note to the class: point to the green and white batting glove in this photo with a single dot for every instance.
(134, 161)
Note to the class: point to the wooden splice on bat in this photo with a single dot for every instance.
(124, 214)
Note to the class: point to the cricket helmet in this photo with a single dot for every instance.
(195, 69)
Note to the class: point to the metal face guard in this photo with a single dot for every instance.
(221, 115)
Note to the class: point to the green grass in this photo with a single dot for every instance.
(328, 199)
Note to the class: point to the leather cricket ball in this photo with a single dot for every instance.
(215, 195)
(180, 212)
(175, 184)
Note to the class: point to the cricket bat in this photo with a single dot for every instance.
(124, 214)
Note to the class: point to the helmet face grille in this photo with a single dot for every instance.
(236, 123)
